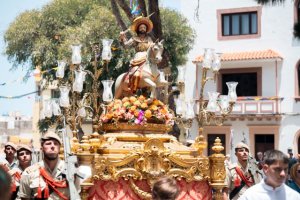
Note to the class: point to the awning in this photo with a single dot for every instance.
(247, 55)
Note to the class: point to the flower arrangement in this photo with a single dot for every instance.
(137, 110)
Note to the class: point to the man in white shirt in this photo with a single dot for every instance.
(272, 187)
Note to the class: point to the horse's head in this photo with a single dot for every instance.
(156, 52)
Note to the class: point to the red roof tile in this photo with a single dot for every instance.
(247, 55)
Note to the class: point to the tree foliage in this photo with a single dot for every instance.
(43, 37)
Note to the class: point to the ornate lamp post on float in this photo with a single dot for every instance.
(72, 104)
(212, 111)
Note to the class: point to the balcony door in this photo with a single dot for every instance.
(249, 80)
(264, 142)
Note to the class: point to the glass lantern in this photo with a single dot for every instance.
(79, 79)
(81, 112)
(60, 72)
(208, 58)
(181, 74)
(212, 102)
(224, 102)
(76, 56)
(216, 65)
(190, 110)
(55, 107)
(107, 91)
(64, 96)
(106, 52)
(232, 96)
(179, 106)
(48, 108)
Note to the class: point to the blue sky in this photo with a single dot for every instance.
(9, 10)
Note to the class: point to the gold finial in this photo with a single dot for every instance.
(217, 148)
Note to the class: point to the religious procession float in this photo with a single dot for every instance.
(134, 149)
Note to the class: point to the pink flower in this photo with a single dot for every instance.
(140, 118)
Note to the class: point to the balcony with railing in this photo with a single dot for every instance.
(257, 108)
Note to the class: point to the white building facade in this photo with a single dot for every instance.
(261, 53)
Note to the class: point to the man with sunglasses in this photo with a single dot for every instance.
(24, 156)
(10, 160)
(273, 186)
(241, 175)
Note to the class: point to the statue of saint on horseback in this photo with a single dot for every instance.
(143, 70)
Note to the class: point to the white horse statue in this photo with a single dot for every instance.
(146, 76)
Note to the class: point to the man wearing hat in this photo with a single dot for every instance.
(292, 159)
(141, 42)
(10, 161)
(24, 158)
(46, 179)
(241, 175)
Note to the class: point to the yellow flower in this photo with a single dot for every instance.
(144, 105)
(148, 114)
(153, 107)
(126, 104)
(142, 98)
(133, 108)
(156, 102)
(132, 99)
(136, 113)
(137, 103)
(163, 111)
(109, 115)
(117, 106)
(118, 101)
(125, 99)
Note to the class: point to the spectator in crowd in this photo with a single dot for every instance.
(165, 189)
(46, 179)
(273, 185)
(10, 161)
(260, 159)
(5, 184)
(24, 160)
(241, 175)
(294, 182)
(292, 159)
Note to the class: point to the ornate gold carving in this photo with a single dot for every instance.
(159, 155)
(146, 128)
(85, 144)
(84, 193)
(142, 194)
(218, 173)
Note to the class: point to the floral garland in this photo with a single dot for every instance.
(137, 110)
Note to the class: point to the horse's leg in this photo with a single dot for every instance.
(119, 86)
(152, 85)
